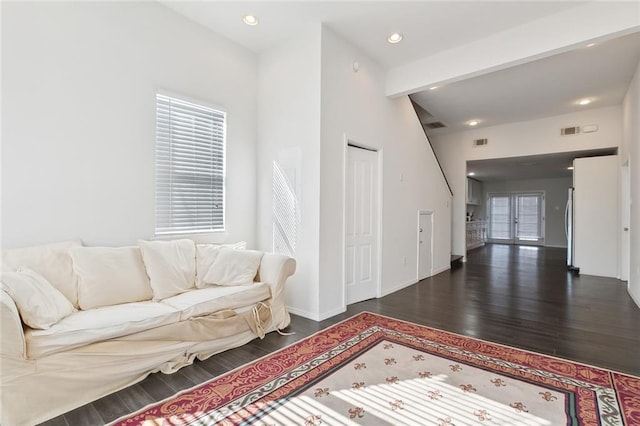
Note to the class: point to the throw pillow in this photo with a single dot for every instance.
(52, 261)
(39, 303)
(205, 256)
(110, 276)
(170, 265)
(234, 267)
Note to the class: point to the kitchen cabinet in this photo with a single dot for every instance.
(474, 192)
(476, 233)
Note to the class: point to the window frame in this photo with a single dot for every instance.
(161, 232)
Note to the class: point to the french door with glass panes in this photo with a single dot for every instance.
(516, 218)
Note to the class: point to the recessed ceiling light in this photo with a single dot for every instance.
(570, 168)
(433, 87)
(591, 44)
(585, 101)
(250, 20)
(473, 123)
(471, 174)
(395, 38)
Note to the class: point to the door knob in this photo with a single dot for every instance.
(420, 229)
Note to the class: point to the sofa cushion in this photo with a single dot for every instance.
(85, 327)
(216, 298)
(110, 276)
(52, 261)
(205, 256)
(39, 303)
(234, 267)
(170, 265)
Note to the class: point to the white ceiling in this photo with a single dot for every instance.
(428, 26)
(541, 88)
(530, 167)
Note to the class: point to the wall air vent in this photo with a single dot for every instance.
(435, 125)
(480, 142)
(566, 131)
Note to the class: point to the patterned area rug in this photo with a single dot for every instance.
(375, 370)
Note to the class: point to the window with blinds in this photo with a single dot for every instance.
(190, 167)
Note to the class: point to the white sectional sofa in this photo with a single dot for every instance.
(79, 323)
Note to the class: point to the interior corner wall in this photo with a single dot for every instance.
(289, 135)
(79, 81)
(631, 108)
(354, 105)
(533, 137)
(555, 191)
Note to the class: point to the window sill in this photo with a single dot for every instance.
(209, 237)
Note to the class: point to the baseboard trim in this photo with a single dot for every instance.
(441, 269)
(633, 296)
(315, 316)
(332, 313)
(398, 287)
(303, 313)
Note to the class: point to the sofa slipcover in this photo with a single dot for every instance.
(92, 353)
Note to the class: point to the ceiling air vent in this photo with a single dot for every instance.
(480, 142)
(435, 125)
(566, 131)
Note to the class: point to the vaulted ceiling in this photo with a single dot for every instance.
(539, 78)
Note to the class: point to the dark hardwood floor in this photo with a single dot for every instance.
(515, 295)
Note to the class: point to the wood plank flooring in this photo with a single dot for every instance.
(515, 295)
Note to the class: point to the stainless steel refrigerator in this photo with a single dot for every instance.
(569, 231)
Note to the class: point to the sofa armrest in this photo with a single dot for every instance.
(11, 329)
(274, 270)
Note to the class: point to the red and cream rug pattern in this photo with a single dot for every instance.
(376, 370)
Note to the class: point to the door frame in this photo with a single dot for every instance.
(625, 222)
(347, 141)
(428, 213)
(513, 196)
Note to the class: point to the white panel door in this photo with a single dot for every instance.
(425, 244)
(361, 263)
(625, 216)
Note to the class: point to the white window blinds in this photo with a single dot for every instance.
(190, 151)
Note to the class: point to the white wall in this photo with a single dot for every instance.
(309, 98)
(519, 139)
(555, 191)
(354, 104)
(289, 133)
(631, 151)
(78, 117)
